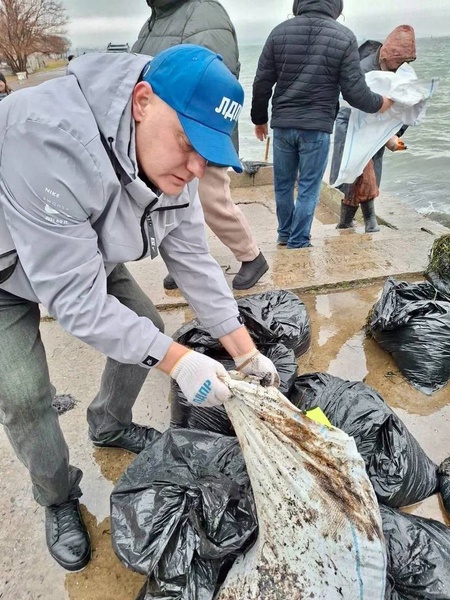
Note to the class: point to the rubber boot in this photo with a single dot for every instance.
(370, 219)
(346, 218)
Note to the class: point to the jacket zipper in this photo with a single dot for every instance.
(145, 217)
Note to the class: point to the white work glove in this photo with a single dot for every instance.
(256, 364)
(201, 379)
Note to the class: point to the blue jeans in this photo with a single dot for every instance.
(26, 412)
(298, 153)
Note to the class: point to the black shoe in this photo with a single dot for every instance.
(282, 242)
(67, 537)
(134, 439)
(169, 283)
(250, 272)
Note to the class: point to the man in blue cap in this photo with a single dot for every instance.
(99, 168)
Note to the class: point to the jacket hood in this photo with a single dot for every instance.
(399, 47)
(107, 82)
(331, 8)
(163, 5)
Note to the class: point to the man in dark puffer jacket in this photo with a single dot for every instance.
(311, 59)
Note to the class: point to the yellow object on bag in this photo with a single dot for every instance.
(317, 415)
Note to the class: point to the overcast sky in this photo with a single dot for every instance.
(97, 22)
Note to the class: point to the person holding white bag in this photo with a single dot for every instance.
(398, 48)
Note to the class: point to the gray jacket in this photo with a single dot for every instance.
(311, 59)
(72, 207)
(202, 22)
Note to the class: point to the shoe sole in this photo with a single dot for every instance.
(100, 445)
(252, 282)
(170, 287)
(73, 567)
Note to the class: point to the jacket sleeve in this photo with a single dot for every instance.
(49, 207)
(188, 259)
(353, 83)
(209, 25)
(143, 34)
(265, 78)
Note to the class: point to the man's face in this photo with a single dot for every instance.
(163, 151)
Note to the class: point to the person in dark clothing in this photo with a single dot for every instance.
(206, 23)
(5, 90)
(311, 59)
(399, 47)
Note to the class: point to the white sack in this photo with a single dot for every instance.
(367, 133)
(320, 530)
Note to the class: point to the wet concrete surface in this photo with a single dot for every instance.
(346, 259)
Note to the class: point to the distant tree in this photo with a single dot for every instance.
(28, 26)
(54, 44)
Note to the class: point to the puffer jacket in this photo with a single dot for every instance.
(72, 207)
(311, 58)
(202, 22)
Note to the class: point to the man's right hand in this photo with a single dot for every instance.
(261, 132)
(387, 104)
(201, 379)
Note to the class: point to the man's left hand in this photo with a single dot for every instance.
(256, 364)
(261, 131)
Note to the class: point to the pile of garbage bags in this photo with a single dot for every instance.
(279, 324)
(412, 323)
(182, 512)
(186, 514)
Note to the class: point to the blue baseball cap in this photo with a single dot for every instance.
(206, 96)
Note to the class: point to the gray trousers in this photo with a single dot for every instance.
(26, 412)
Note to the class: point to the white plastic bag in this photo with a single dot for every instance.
(367, 133)
(320, 530)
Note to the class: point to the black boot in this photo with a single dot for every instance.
(67, 537)
(370, 219)
(134, 439)
(346, 218)
(250, 272)
(169, 283)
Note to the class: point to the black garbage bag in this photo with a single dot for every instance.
(418, 552)
(412, 322)
(277, 317)
(182, 512)
(186, 415)
(400, 471)
(444, 484)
